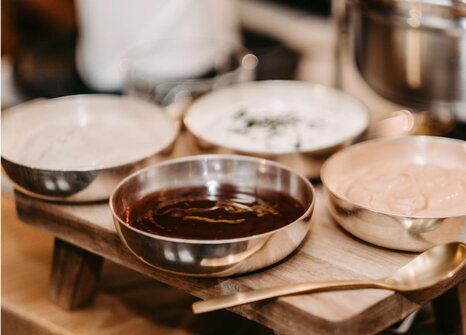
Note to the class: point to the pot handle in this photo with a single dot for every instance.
(403, 123)
(398, 123)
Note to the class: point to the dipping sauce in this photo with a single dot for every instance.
(409, 190)
(276, 117)
(84, 132)
(220, 212)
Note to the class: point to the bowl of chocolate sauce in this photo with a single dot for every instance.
(213, 215)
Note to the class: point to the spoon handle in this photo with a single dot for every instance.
(277, 291)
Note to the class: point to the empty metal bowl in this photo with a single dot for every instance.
(78, 148)
(222, 257)
(393, 228)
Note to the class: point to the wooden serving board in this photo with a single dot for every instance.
(328, 253)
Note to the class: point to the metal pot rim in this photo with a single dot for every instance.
(416, 14)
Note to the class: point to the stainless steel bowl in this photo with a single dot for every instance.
(69, 148)
(209, 258)
(413, 52)
(389, 229)
(340, 120)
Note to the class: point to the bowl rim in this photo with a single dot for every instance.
(307, 213)
(262, 83)
(96, 96)
(409, 138)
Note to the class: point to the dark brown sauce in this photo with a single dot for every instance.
(217, 212)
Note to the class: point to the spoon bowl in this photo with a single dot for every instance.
(429, 268)
(425, 270)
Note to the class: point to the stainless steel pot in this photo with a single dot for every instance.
(413, 52)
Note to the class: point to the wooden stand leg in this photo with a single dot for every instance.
(75, 275)
(462, 303)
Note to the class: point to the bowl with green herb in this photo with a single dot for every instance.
(288, 121)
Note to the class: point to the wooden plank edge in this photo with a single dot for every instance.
(109, 246)
(15, 322)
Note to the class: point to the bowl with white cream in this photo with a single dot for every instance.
(287, 121)
(406, 193)
(78, 148)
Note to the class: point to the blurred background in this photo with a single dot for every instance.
(55, 48)
(39, 40)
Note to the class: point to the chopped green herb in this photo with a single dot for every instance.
(241, 113)
(245, 123)
(272, 124)
(314, 123)
(297, 145)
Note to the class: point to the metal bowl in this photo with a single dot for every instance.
(389, 228)
(212, 258)
(78, 148)
(326, 120)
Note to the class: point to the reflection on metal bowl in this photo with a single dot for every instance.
(389, 227)
(78, 148)
(221, 257)
(69, 186)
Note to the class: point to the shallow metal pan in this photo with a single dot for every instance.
(389, 228)
(78, 148)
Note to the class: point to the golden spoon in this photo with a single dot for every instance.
(426, 270)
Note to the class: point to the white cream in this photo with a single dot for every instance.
(84, 132)
(324, 117)
(409, 189)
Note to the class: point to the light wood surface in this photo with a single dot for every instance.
(126, 302)
(328, 253)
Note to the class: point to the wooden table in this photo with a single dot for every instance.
(84, 235)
